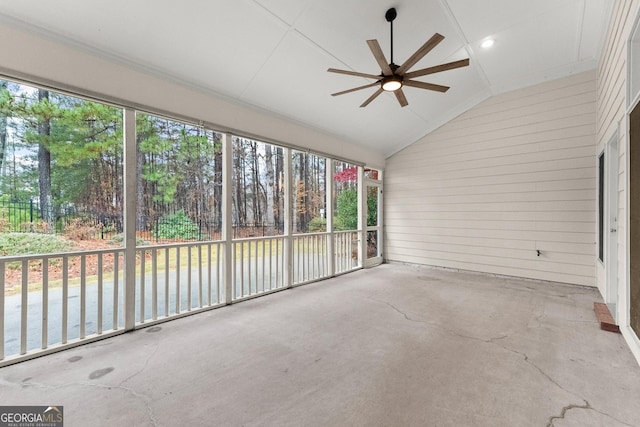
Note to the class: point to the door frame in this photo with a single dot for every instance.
(611, 224)
(377, 260)
(625, 297)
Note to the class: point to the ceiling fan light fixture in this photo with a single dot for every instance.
(391, 84)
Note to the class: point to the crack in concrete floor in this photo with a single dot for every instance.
(524, 356)
(586, 406)
(564, 411)
(144, 367)
(144, 398)
(147, 400)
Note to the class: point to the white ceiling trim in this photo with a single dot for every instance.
(467, 45)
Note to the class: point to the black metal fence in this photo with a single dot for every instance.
(13, 213)
(27, 217)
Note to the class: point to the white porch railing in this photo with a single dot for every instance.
(310, 257)
(258, 266)
(57, 302)
(345, 251)
(176, 279)
(65, 299)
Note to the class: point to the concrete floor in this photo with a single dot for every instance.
(389, 346)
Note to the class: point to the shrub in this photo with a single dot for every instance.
(177, 226)
(118, 239)
(81, 229)
(318, 225)
(35, 227)
(347, 210)
(32, 243)
(5, 225)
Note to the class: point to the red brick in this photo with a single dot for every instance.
(604, 317)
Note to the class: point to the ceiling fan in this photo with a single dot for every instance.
(393, 77)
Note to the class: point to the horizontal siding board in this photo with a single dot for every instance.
(394, 182)
(482, 142)
(539, 264)
(514, 135)
(434, 190)
(513, 175)
(570, 206)
(497, 242)
(426, 196)
(552, 101)
(505, 148)
(612, 75)
(554, 119)
(567, 247)
(614, 107)
(429, 233)
(511, 253)
(551, 86)
(561, 165)
(483, 161)
(570, 216)
(556, 248)
(502, 270)
(558, 138)
(551, 226)
(514, 128)
(489, 243)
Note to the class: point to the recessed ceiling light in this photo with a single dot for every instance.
(487, 43)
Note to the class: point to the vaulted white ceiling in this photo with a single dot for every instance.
(274, 54)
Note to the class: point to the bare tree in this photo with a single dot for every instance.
(217, 190)
(3, 134)
(44, 162)
(270, 184)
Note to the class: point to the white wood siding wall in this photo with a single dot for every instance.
(511, 176)
(612, 105)
(611, 109)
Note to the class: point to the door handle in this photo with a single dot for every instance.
(613, 230)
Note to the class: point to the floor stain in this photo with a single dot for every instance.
(100, 373)
(74, 359)
(429, 279)
(154, 329)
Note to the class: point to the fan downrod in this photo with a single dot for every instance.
(390, 16)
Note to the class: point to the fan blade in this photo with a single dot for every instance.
(372, 97)
(355, 89)
(377, 53)
(437, 68)
(353, 73)
(423, 85)
(401, 98)
(420, 53)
